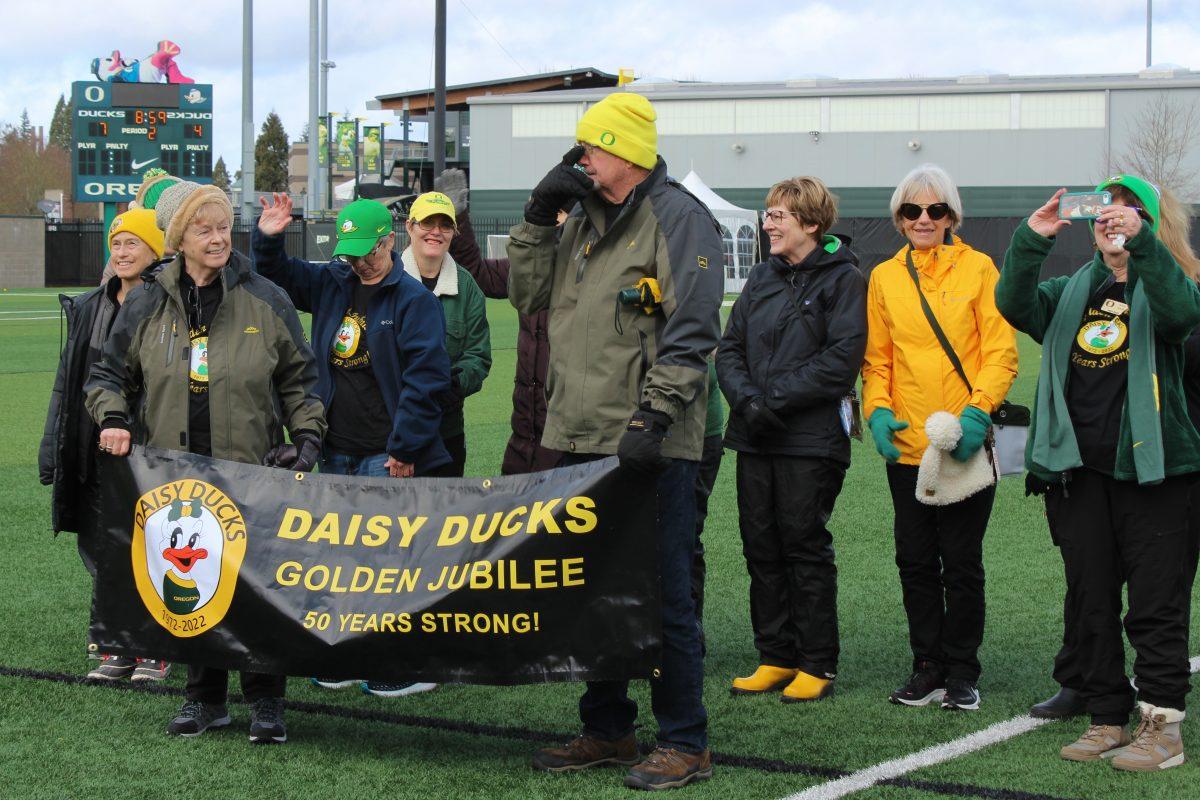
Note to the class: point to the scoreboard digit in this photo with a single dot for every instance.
(120, 130)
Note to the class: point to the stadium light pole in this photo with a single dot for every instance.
(314, 82)
(323, 104)
(247, 110)
(437, 137)
(1149, 15)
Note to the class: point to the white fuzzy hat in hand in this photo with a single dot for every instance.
(941, 479)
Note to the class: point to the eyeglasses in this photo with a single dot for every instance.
(370, 253)
(777, 217)
(588, 149)
(912, 211)
(432, 222)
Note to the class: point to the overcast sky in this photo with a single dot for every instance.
(384, 46)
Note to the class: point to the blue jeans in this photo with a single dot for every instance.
(372, 466)
(676, 694)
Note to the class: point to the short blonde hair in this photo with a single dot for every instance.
(809, 199)
(937, 181)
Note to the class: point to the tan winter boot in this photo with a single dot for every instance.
(1157, 743)
(1098, 741)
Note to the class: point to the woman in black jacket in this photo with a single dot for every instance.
(790, 354)
(67, 455)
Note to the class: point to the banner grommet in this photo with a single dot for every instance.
(299, 476)
(487, 483)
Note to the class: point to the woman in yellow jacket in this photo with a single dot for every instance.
(907, 376)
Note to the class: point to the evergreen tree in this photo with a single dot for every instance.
(220, 176)
(60, 125)
(271, 156)
(25, 128)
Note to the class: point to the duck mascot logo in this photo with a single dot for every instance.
(189, 540)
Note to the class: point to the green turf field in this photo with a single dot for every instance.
(62, 739)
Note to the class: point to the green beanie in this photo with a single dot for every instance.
(1145, 191)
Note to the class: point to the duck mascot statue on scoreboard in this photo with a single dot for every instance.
(154, 68)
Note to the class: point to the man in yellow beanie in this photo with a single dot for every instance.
(631, 223)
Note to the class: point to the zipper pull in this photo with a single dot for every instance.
(1064, 480)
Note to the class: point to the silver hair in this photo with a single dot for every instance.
(937, 181)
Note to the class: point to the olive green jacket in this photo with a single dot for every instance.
(261, 371)
(605, 359)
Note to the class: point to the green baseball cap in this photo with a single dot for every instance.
(1145, 191)
(359, 227)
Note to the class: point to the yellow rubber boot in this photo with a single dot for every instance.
(805, 688)
(764, 679)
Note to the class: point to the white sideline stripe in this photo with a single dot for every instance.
(724, 303)
(28, 319)
(32, 311)
(936, 754)
(866, 778)
(39, 294)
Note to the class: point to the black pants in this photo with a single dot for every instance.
(784, 504)
(706, 479)
(457, 446)
(211, 685)
(1113, 533)
(939, 552)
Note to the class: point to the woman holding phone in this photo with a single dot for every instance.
(1112, 441)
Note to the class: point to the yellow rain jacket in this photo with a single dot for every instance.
(905, 368)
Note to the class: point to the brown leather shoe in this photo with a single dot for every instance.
(586, 751)
(666, 768)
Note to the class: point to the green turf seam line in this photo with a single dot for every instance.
(527, 734)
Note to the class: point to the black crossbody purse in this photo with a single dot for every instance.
(1010, 422)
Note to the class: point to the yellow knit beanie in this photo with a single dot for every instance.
(622, 124)
(139, 222)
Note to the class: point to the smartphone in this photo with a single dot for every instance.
(1083, 205)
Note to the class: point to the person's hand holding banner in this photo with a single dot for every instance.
(299, 457)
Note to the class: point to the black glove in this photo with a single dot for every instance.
(298, 457)
(760, 420)
(640, 448)
(452, 398)
(562, 188)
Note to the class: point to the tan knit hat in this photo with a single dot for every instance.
(178, 204)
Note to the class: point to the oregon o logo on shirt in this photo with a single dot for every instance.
(189, 540)
(1102, 336)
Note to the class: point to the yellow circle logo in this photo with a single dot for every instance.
(189, 540)
(608, 138)
(1102, 336)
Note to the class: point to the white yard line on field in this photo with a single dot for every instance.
(41, 294)
(28, 319)
(726, 304)
(935, 754)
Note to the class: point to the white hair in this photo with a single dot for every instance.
(935, 179)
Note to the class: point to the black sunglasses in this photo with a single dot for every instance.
(912, 211)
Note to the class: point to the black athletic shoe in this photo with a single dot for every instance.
(961, 696)
(926, 685)
(196, 717)
(266, 721)
(1065, 704)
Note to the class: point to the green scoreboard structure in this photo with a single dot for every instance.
(120, 130)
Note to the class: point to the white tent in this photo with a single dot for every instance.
(739, 231)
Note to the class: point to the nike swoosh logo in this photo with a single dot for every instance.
(140, 164)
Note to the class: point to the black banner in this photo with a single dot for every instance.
(517, 579)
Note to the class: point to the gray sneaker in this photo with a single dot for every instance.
(194, 718)
(266, 721)
(151, 670)
(113, 668)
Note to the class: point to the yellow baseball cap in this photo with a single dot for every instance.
(429, 204)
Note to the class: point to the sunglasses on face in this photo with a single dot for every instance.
(912, 211)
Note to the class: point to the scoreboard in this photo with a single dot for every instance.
(120, 130)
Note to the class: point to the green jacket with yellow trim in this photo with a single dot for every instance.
(261, 371)
(601, 368)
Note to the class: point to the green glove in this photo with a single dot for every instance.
(883, 424)
(975, 425)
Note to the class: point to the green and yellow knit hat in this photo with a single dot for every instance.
(622, 124)
(154, 181)
(1145, 191)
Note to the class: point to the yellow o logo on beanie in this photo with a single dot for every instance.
(623, 123)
